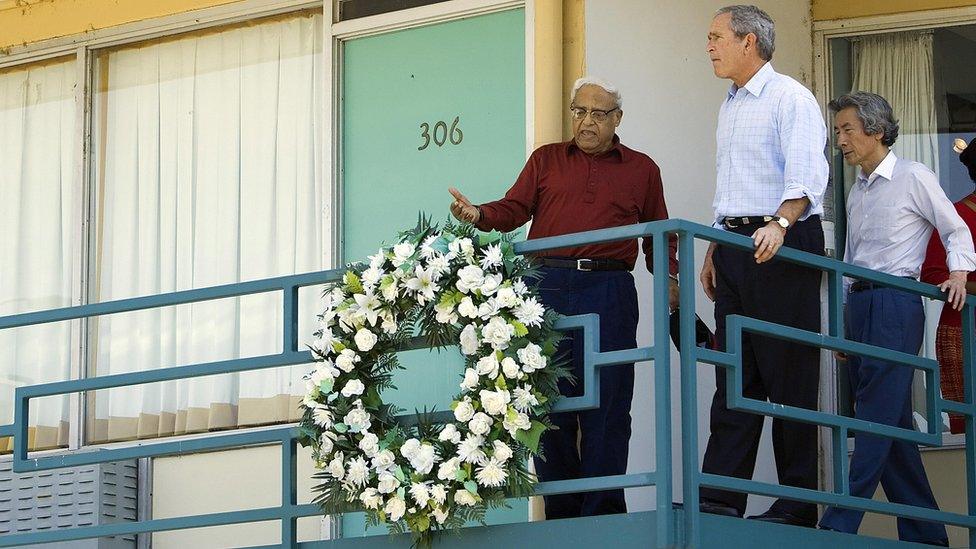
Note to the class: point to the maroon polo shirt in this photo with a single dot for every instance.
(565, 190)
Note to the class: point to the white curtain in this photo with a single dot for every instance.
(209, 173)
(899, 67)
(38, 244)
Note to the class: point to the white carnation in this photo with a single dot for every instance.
(480, 424)
(424, 460)
(470, 449)
(440, 515)
(490, 284)
(438, 493)
(384, 460)
(469, 340)
(372, 276)
(523, 399)
(448, 470)
(353, 387)
(498, 333)
(337, 467)
(505, 297)
(410, 448)
(445, 313)
(326, 443)
(402, 252)
(347, 360)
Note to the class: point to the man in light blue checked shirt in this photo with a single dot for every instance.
(772, 174)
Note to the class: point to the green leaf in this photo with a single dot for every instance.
(520, 329)
(401, 492)
(326, 385)
(353, 284)
(372, 397)
(461, 475)
(471, 486)
(500, 382)
(331, 397)
(340, 427)
(423, 523)
(338, 347)
(398, 473)
(531, 437)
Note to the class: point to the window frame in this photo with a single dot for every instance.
(823, 33)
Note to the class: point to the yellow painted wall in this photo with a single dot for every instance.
(27, 21)
(842, 9)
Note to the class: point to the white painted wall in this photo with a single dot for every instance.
(655, 53)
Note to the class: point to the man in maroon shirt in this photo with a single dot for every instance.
(591, 182)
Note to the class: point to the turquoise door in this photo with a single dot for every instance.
(424, 109)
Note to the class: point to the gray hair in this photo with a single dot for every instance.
(873, 111)
(750, 19)
(600, 83)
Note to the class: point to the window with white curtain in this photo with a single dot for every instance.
(206, 171)
(39, 242)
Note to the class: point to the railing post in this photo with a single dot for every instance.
(289, 297)
(662, 394)
(691, 477)
(969, 396)
(289, 491)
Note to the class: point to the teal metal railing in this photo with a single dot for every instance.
(688, 533)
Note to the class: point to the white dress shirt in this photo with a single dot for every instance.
(771, 137)
(890, 217)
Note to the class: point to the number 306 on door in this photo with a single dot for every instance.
(440, 134)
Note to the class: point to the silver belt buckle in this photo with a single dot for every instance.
(579, 265)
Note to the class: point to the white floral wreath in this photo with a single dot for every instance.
(456, 288)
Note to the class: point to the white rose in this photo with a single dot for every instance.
(358, 420)
(464, 497)
(387, 483)
(470, 379)
(440, 515)
(347, 360)
(365, 340)
(531, 358)
(495, 402)
(445, 313)
(353, 387)
(448, 470)
(469, 340)
(510, 367)
(480, 424)
(467, 308)
(488, 366)
(402, 252)
(488, 309)
(490, 284)
(502, 451)
(464, 411)
(505, 297)
(336, 467)
(470, 278)
(325, 443)
(424, 461)
(371, 498)
(370, 444)
(450, 434)
(395, 508)
(498, 333)
(410, 448)
(384, 460)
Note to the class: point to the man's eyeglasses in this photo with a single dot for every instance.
(597, 115)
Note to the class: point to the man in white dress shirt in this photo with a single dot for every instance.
(891, 211)
(772, 174)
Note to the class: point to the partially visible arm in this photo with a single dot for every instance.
(519, 203)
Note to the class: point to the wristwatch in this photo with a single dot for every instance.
(782, 222)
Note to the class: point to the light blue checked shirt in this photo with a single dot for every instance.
(771, 137)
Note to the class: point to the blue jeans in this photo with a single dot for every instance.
(604, 433)
(893, 319)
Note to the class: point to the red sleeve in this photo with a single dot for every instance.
(655, 209)
(934, 269)
(519, 203)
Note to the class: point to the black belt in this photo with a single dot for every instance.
(585, 264)
(862, 285)
(736, 222)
